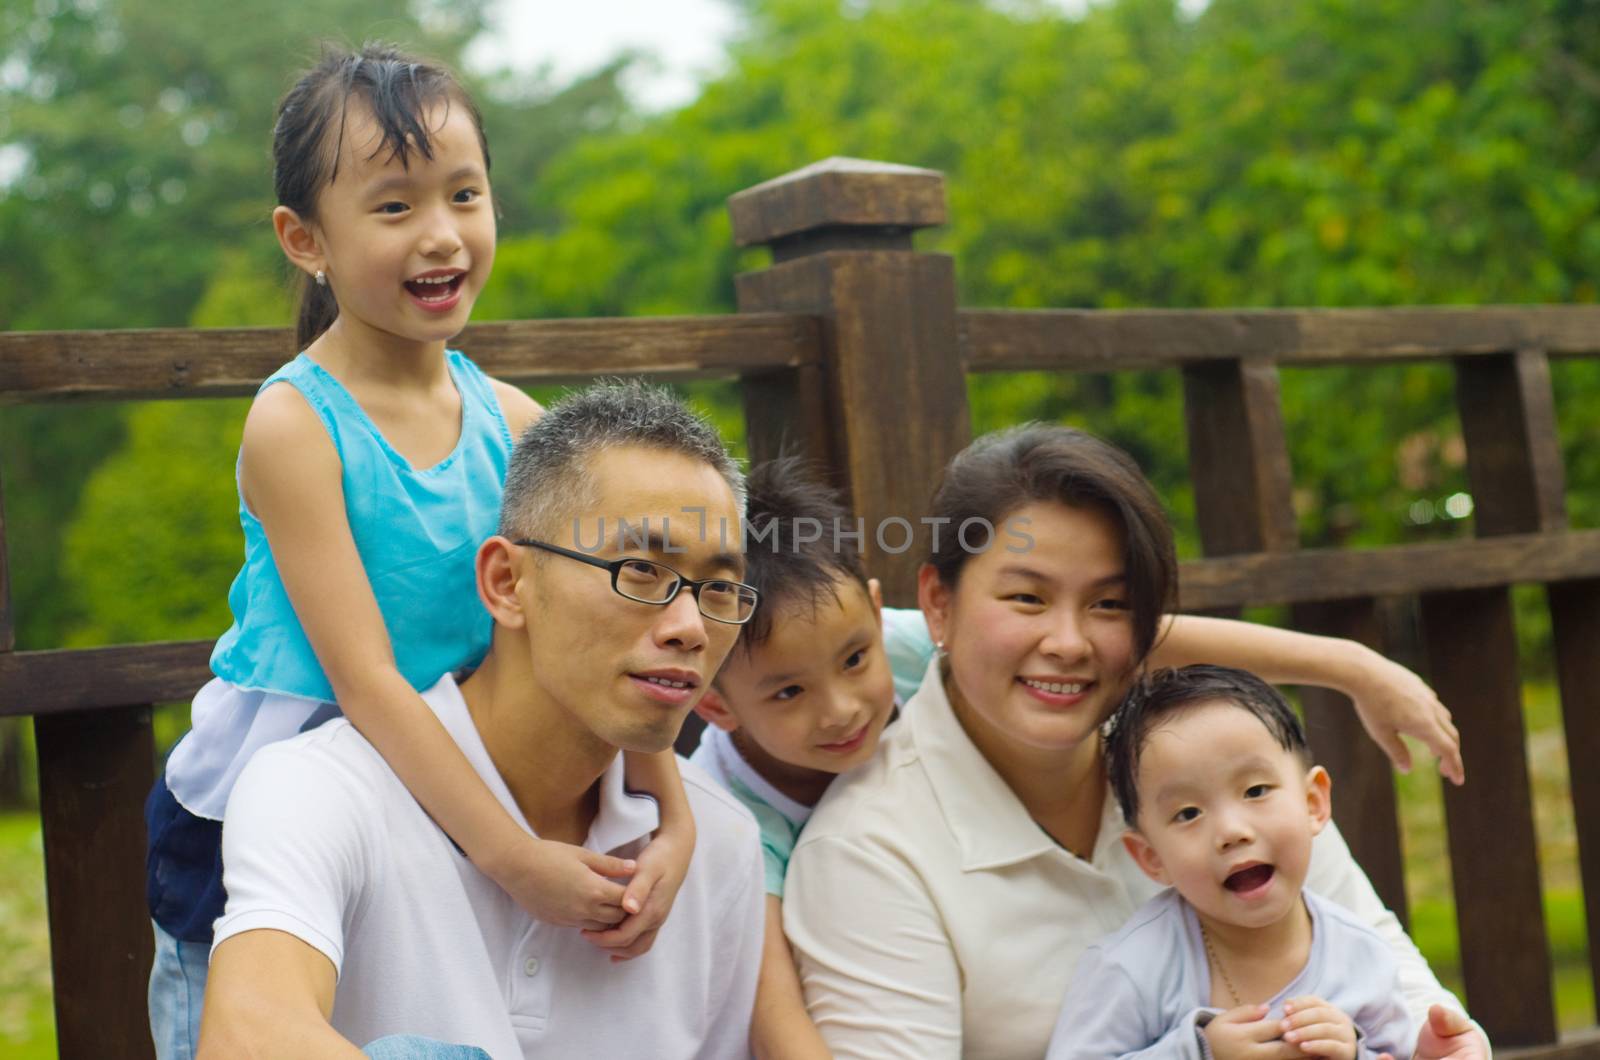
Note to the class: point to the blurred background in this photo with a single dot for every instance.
(1112, 154)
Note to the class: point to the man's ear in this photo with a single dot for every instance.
(299, 240)
(933, 596)
(1319, 798)
(714, 709)
(1144, 855)
(498, 575)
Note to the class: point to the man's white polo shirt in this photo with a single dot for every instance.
(322, 841)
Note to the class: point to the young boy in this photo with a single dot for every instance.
(803, 696)
(1211, 770)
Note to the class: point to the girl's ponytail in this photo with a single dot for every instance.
(318, 310)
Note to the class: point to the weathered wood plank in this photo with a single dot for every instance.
(1238, 457)
(1494, 859)
(8, 632)
(1314, 575)
(1513, 464)
(1508, 420)
(835, 193)
(1575, 620)
(94, 772)
(1582, 1046)
(180, 363)
(997, 340)
(1363, 780)
(58, 682)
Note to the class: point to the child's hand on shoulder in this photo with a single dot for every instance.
(1316, 1028)
(566, 885)
(662, 865)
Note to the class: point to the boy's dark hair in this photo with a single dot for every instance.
(310, 125)
(1168, 692)
(999, 473)
(794, 548)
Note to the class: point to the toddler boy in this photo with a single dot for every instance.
(1213, 776)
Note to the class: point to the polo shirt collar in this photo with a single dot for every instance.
(991, 826)
(624, 817)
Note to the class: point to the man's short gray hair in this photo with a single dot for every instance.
(549, 479)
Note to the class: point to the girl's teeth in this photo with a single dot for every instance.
(1056, 687)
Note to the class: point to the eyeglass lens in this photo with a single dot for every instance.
(651, 583)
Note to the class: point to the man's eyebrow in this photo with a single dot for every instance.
(657, 542)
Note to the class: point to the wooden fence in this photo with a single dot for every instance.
(851, 348)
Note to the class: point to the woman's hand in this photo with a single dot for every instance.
(1449, 1035)
(1391, 700)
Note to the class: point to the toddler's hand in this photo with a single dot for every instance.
(1245, 1033)
(662, 866)
(566, 885)
(1316, 1028)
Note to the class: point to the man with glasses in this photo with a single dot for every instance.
(351, 917)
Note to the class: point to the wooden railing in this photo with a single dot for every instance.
(851, 348)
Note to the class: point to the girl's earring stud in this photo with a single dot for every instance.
(322, 278)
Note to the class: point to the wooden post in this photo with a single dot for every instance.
(95, 769)
(1239, 463)
(1514, 465)
(887, 407)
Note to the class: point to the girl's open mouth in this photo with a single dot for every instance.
(437, 293)
(436, 289)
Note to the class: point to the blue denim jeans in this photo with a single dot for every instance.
(177, 986)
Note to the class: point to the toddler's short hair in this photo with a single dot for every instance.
(1170, 691)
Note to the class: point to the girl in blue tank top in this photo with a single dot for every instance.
(369, 473)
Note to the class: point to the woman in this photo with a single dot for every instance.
(940, 896)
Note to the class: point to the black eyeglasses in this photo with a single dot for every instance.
(649, 582)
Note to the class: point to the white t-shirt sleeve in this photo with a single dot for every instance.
(295, 849)
(880, 976)
(1335, 876)
(1106, 1015)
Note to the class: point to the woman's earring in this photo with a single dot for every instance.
(938, 646)
(322, 278)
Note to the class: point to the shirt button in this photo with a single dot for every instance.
(531, 966)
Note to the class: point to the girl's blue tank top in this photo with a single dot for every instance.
(417, 533)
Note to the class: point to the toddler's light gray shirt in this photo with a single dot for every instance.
(1145, 990)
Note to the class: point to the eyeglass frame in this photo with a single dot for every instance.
(614, 566)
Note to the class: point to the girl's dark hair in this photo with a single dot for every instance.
(992, 478)
(1169, 692)
(309, 132)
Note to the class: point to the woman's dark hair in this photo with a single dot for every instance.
(998, 474)
(1169, 692)
(309, 131)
